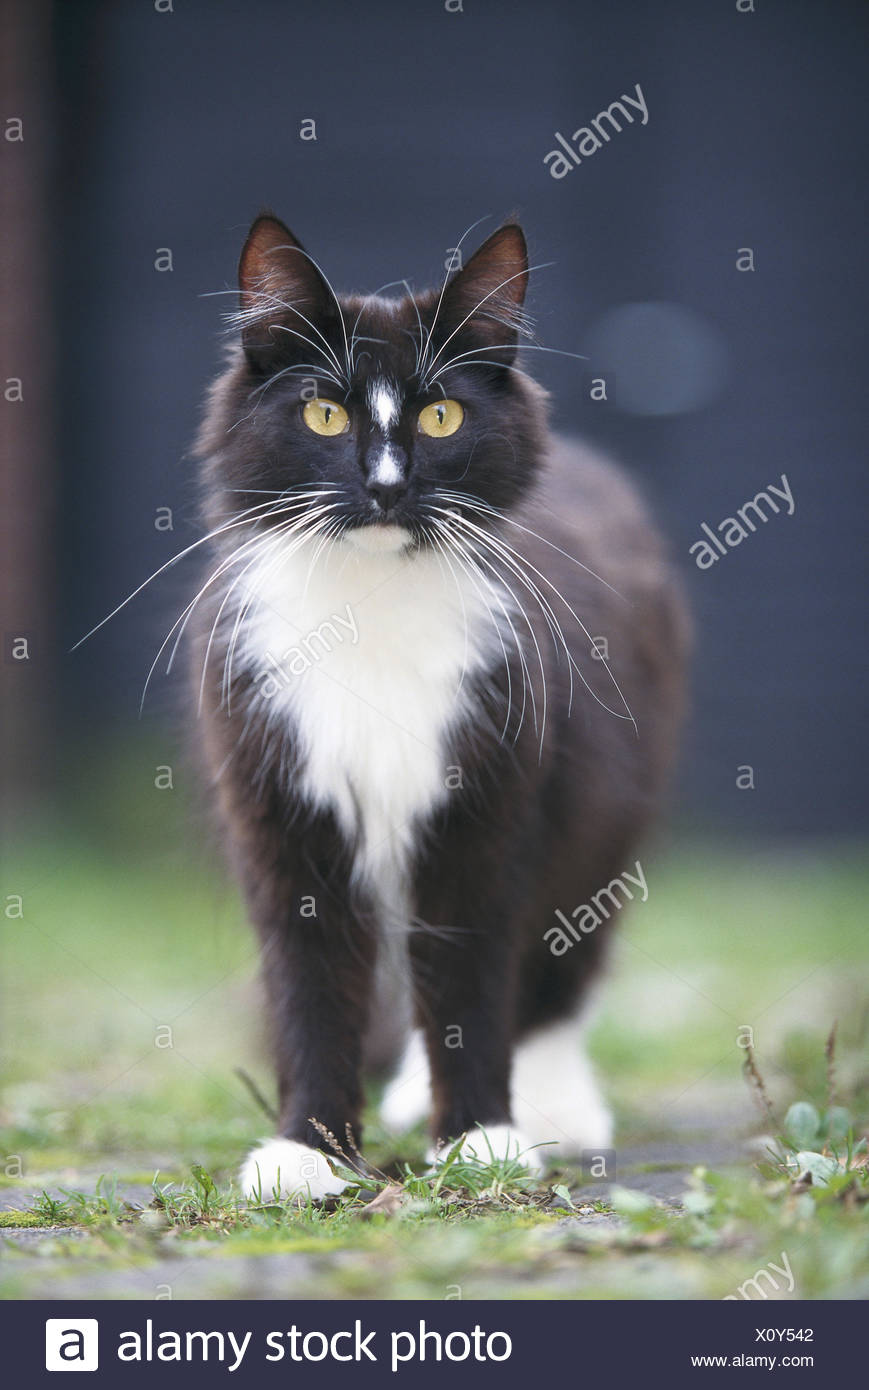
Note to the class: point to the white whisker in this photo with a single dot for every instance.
(266, 302)
(510, 347)
(488, 510)
(186, 613)
(353, 339)
(349, 372)
(480, 559)
(303, 369)
(442, 554)
(423, 340)
(277, 537)
(240, 519)
(503, 553)
(307, 527)
(521, 560)
(458, 247)
(467, 548)
(445, 540)
(510, 278)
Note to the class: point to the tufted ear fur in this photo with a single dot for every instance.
(280, 287)
(484, 300)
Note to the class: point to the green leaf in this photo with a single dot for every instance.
(628, 1202)
(561, 1191)
(698, 1203)
(819, 1166)
(802, 1124)
(204, 1179)
(837, 1123)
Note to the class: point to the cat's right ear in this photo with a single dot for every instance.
(279, 288)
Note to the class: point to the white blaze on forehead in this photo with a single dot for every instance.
(385, 404)
(386, 468)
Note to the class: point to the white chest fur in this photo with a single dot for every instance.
(367, 657)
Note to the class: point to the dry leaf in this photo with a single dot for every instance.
(386, 1203)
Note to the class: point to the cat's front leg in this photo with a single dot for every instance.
(465, 961)
(318, 955)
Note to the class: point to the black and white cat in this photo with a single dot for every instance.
(439, 669)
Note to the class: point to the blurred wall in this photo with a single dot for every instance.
(28, 637)
(174, 128)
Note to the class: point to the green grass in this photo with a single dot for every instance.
(130, 998)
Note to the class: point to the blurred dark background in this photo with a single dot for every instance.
(148, 130)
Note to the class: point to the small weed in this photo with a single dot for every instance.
(53, 1211)
(815, 1182)
(814, 1148)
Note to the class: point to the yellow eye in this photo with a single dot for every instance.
(325, 417)
(441, 419)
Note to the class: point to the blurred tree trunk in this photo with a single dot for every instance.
(29, 662)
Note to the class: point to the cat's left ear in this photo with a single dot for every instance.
(281, 290)
(484, 300)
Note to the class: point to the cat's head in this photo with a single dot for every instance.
(374, 411)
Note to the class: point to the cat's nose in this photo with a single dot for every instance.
(386, 476)
(386, 494)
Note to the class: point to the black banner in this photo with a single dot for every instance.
(416, 1343)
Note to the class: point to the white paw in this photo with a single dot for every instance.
(489, 1142)
(407, 1098)
(554, 1094)
(284, 1168)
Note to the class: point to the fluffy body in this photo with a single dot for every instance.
(410, 801)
